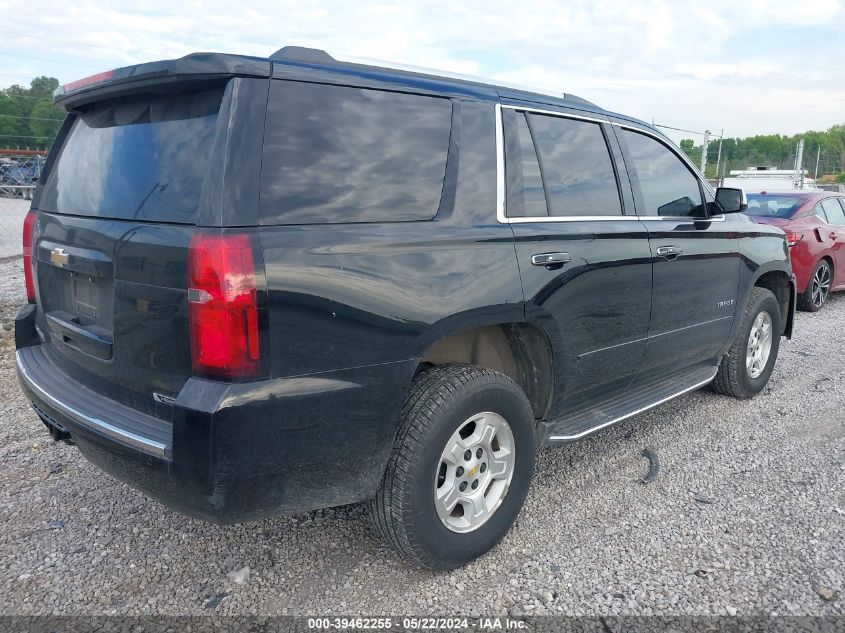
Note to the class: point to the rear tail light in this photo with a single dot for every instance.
(28, 225)
(223, 306)
(793, 238)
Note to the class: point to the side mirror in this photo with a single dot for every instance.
(731, 200)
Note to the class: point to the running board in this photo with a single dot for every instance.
(581, 423)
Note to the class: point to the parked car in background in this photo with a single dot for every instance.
(814, 222)
(260, 286)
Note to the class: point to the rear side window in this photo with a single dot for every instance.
(340, 154)
(576, 166)
(141, 159)
(526, 197)
(833, 211)
(666, 185)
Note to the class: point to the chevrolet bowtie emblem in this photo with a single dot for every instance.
(58, 257)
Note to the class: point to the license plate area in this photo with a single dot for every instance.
(85, 294)
(76, 291)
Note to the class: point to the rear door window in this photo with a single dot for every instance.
(526, 197)
(667, 187)
(576, 166)
(833, 211)
(139, 158)
(341, 154)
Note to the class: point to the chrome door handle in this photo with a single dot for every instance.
(550, 259)
(669, 252)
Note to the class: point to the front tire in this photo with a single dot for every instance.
(746, 368)
(818, 288)
(460, 468)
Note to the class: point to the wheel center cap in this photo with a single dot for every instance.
(473, 472)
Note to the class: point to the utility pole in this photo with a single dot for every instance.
(798, 176)
(704, 151)
(719, 155)
(816, 173)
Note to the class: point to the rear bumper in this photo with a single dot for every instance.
(50, 389)
(233, 452)
(793, 304)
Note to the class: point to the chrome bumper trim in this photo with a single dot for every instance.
(123, 436)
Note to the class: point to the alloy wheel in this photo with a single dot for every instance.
(474, 472)
(759, 345)
(821, 285)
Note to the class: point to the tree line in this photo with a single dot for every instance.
(28, 118)
(774, 150)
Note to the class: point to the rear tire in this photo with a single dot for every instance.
(818, 288)
(746, 368)
(447, 407)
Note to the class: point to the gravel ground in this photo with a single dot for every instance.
(12, 213)
(746, 516)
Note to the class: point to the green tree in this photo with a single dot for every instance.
(10, 122)
(28, 117)
(44, 123)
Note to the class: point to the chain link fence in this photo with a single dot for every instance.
(19, 173)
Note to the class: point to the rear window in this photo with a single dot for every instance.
(576, 166)
(340, 154)
(140, 159)
(774, 206)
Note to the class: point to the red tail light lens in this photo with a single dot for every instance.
(88, 81)
(793, 238)
(28, 225)
(223, 306)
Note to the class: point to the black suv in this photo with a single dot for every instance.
(260, 286)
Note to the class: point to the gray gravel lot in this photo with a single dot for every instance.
(747, 516)
(12, 213)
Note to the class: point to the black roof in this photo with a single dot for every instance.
(207, 67)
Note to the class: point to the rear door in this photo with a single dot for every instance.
(585, 263)
(117, 210)
(696, 258)
(834, 211)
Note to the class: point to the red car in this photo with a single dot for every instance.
(814, 223)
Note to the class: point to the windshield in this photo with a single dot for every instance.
(143, 158)
(774, 205)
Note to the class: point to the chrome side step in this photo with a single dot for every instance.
(583, 423)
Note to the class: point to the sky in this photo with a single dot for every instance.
(754, 67)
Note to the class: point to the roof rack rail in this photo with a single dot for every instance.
(302, 54)
(319, 56)
(577, 99)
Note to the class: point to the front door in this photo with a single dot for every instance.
(585, 265)
(696, 260)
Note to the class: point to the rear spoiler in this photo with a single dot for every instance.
(160, 76)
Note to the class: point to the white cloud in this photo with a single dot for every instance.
(726, 63)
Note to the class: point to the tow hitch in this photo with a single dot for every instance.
(56, 430)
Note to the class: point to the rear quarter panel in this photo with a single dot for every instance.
(762, 249)
(351, 295)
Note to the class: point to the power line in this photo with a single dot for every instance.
(27, 96)
(22, 136)
(678, 129)
(5, 74)
(31, 118)
(72, 43)
(48, 59)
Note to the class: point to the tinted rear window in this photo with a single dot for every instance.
(774, 206)
(526, 196)
(340, 154)
(576, 166)
(143, 159)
